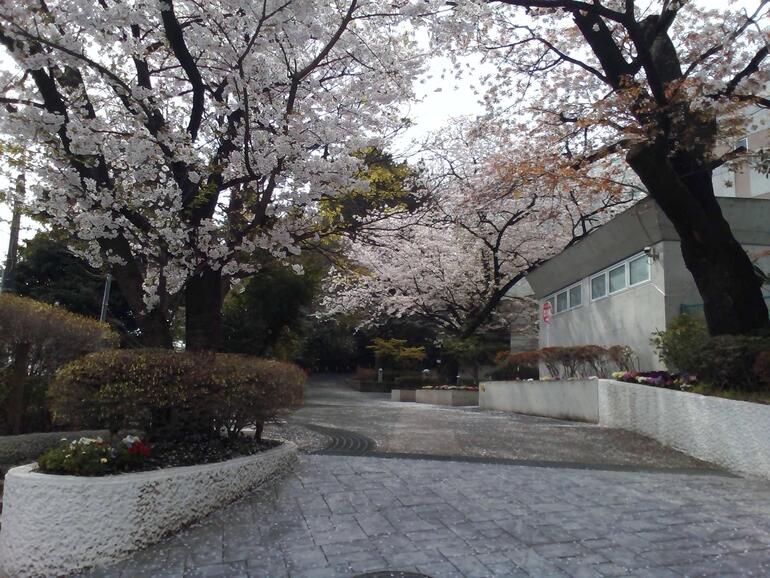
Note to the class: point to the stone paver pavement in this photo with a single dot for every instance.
(341, 515)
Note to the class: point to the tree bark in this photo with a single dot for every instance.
(16, 403)
(203, 311)
(724, 274)
(155, 329)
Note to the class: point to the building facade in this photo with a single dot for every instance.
(627, 279)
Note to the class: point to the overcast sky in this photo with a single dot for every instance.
(440, 101)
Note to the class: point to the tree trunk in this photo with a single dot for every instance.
(16, 403)
(203, 311)
(155, 328)
(725, 277)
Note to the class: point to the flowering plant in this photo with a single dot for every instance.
(95, 456)
(446, 387)
(681, 381)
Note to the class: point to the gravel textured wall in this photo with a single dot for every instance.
(732, 434)
(54, 525)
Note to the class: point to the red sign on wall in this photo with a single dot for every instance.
(547, 312)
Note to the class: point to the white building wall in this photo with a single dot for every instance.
(628, 317)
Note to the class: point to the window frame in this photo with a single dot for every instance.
(626, 264)
(553, 299)
(649, 269)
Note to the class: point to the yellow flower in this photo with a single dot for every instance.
(103, 460)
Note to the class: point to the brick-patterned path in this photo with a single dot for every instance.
(610, 503)
(340, 515)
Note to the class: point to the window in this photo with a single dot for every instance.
(742, 143)
(599, 286)
(561, 302)
(631, 272)
(575, 296)
(567, 299)
(638, 270)
(617, 278)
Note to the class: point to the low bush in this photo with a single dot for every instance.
(171, 395)
(762, 367)
(516, 366)
(35, 339)
(566, 362)
(413, 381)
(680, 346)
(728, 361)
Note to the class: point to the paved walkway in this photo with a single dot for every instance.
(338, 516)
(412, 428)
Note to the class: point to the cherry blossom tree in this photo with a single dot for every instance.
(176, 138)
(667, 85)
(499, 209)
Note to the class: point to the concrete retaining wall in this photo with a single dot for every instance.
(575, 400)
(732, 434)
(403, 395)
(54, 525)
(447, 396)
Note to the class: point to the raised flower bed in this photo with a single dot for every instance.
(59, 524)
(448, 395)
(94, 500)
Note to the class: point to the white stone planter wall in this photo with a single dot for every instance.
(575, 400)
(447, 396)
(732, 434)
(54, 525)
(403, 395)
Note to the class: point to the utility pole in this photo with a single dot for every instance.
(9, 273)
(105, 298)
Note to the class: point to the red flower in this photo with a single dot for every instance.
(138, 447)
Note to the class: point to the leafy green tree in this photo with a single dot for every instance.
(48, 271)
(262, 313)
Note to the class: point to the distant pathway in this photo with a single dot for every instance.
(481, 505)
(420, 429)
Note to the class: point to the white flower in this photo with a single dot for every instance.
(131, 440)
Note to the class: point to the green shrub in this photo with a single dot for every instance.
(681, 345)
(762, 367)
(412, 381)
(36, 339)
(728, 361)
(172, 395)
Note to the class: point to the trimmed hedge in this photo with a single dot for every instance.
(173, 395)
(762, 367)
(728, 361)
(35, 339)
(578, 361)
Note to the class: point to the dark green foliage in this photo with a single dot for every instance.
(48, 271)
(273, 303)
(728, 361)
(680, 346)
(173, 395)
(762, 368)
